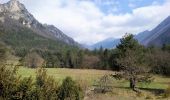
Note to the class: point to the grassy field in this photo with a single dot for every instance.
(89, 76)
(59, 74)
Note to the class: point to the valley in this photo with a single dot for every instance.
(89, 51)
(88, 78)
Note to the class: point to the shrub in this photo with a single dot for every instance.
(149, 97)
(69, 90)
(46, 87)
(3, 54)
(8, 81)
(167, 92)
(24, 89)
(105, 84)
(12, 86)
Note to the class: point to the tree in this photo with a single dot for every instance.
(33, 60)
(112, 60)
(132, 62)
(90, 61)
(79, 59)
(3, 54)
(70, 59)
(101, 50)
(166, 47)
(104, 57)
(69, 90)
(160, 61)
(104, 84)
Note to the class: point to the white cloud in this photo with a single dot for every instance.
(131, 5)
(86, 23)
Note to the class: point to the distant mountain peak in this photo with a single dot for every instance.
(14, 2)
(13, 6)
(156, 35)
(17, 11)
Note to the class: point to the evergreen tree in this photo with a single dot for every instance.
(79, 59)
(69, 90)
(132, 61)
(70, 59)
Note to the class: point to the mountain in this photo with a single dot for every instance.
(14, 10)
(142, 35)
(107, 43)
(23, 34)
(157, 37)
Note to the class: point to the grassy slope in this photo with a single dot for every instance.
(22, 39)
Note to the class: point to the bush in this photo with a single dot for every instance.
(3, 54)
(69, 90)
(167, 92)
(105, 84)
(14, 87)
(46, 87)
(24, 89)
(8, 82)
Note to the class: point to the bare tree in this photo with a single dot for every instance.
(33, 60)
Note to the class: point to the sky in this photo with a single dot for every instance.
(91, 21)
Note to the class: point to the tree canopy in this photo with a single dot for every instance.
(132, 61)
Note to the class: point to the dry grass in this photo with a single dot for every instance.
(87, 77)
(82, 75)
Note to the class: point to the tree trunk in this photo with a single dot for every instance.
(1, 89)
(132, 83)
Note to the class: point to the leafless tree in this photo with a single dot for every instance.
(33, 60)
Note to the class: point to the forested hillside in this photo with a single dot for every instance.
(22, 41)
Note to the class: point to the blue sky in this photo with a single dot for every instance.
(123, 6)
(91, 21)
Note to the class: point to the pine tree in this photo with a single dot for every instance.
(132, 61)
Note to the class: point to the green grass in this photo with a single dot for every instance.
(90, 76)
(87, 77)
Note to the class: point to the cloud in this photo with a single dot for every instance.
(131, 5)
(84, 20)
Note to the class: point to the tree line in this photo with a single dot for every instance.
(157, 58)
(34, 50)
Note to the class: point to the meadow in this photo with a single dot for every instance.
(88, 77)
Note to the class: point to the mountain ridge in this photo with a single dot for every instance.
(156, 32)
(107, 43)
(156, 37)
(17, 11)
